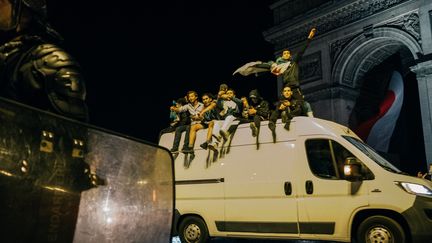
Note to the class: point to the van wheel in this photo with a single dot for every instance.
(193, 229)
(380, 229)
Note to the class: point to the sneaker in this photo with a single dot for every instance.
(287, 126)
(225, 135)
(254, 129)
(204, 145)
(187, 150)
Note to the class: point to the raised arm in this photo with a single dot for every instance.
(309, 39)
(210, 107)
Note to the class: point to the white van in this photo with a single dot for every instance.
(318, 181)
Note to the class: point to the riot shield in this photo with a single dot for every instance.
(66, 181)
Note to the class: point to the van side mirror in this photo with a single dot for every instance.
(352, 169)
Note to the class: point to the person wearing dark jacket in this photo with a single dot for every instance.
(180, 119)
(286, 108)
(34, 69)
(256, 109)
(291, 74)
(286, 65)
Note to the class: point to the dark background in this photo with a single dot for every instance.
(137, 57)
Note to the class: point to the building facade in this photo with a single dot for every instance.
(339, 71)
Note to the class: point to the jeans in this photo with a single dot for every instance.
(178, 132)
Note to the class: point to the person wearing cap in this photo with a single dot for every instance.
(257, 110)
(229, 108)
(34, 69)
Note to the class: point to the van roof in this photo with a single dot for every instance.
(310, 125)
(300, 126)
(303, 125)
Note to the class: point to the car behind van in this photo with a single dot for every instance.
(318, 181)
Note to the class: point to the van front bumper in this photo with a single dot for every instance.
(419, 218)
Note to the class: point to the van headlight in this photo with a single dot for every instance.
(415, 189)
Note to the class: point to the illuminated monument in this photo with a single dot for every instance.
(346, 72)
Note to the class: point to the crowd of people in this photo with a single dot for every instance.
(218, 112)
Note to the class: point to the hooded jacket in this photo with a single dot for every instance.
(262, 106)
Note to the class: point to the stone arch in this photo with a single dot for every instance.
(367, 50)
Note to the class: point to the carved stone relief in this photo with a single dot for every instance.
(337, 46)
(409, 22)
(310, 68)
(345, 15)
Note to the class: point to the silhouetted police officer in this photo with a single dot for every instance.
(33, 69)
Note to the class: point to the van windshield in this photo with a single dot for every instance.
(371, 153)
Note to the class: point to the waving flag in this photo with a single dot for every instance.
(252, 68)
(377, 130)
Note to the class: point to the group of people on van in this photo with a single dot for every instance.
(217, 114)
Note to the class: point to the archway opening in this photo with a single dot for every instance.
(372, 72)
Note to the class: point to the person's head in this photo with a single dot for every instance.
(207, 98)
(223, 87)
(230, 93)
(192, 96)
(286, 92)
(286, 55)
(254, 96)
(181, 101)
(16, 14)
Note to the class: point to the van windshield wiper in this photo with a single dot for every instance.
(391, 169)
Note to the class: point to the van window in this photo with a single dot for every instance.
(326, 158)
(371, 153)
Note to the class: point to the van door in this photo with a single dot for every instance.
(260, 193)
(326, 200)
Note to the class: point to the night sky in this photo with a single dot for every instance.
(138, 57)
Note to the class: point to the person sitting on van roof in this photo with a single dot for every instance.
(307, 109)
(177, 119)
(286, 108)
(194, 107)
(230, 109)
(215, 110)
(256, 109)
(205, 121)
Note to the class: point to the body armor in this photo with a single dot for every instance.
(42, 75)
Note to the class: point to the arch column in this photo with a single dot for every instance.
(423, 72)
